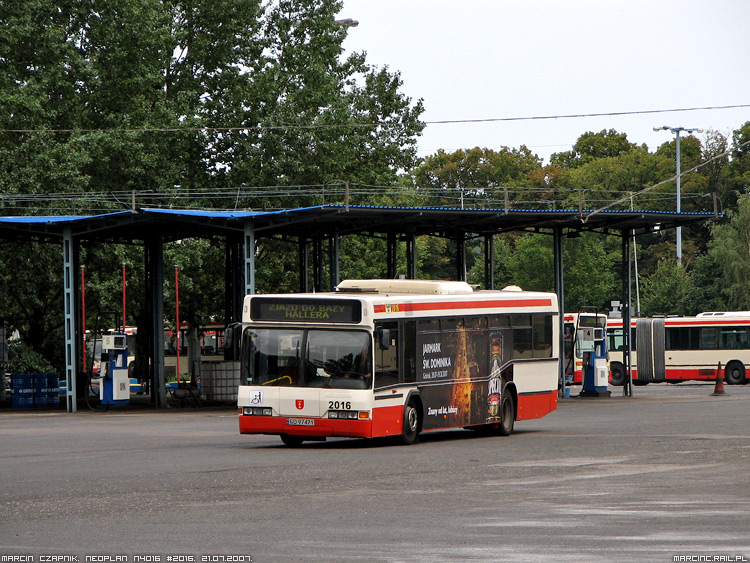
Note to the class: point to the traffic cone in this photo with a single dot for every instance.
(719, 387)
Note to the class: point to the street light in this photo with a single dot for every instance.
(347, 22)
(676, 131)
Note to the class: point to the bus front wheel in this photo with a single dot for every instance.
(291, 441)
(410, 427)
(618, 374)
(734, 373)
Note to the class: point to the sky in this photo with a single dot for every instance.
(506, 59)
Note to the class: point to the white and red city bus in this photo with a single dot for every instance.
(573, 360)
(382, 358)
(675, 349)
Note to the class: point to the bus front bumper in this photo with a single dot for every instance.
(323, 427)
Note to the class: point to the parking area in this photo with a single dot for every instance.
(650, 477)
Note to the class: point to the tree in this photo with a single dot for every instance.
(705, 294)
(589, 276)
(591, 146)
(472, 177)
(737, 179)
(589, 272)
(730, 251)
(532, 263)
(666, 291)
(186, 102)
(601, 181)
(31, 296)
(502, 247)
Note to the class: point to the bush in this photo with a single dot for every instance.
(23, 359)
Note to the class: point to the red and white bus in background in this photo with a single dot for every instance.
(573, 358)
(675, 349)
(616, 350)
(209, 338)
(395, 358)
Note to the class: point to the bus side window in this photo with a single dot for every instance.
(386, 361)
(410, 352)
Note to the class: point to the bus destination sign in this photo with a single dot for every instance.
(305, 310)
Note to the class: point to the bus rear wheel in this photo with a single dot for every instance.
(507, 414)
(410, 427)
(291, 441)
(734, 373)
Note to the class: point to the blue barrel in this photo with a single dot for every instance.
(40, 390)
(53, 389)
(22, 390)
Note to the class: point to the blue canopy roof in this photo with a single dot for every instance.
(327, 220)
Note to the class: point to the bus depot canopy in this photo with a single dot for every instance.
(327, 220)
(153, 227)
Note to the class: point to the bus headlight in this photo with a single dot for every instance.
(257, 411)
(349, 415)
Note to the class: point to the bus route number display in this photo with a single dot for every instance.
(303, 310)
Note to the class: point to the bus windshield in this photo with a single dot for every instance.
(336, 359)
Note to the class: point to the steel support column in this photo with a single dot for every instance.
(234, 283)
(461, 257)
(304, 262)
(411, 256)
(69, 300)
(489, 261)
(317, 265)
(391, 254)
(249, 258)
(560, 290)
(627, 387)
(155, 275)
(333, 256)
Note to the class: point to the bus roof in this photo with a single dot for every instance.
(422, 287)
(394, 298)
(733, 318)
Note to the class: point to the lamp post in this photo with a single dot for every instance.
(676, 131)
(347, 22)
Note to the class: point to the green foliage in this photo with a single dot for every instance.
(467, 178)
(592, 146)
(737, 180)
(22, 358)
(194, 103)
(730, 252)
(31, 288)
(532, 265)
(503, 250)
(187, 102)
(589, 275)
(602, 180)
(705, 293)
(435, 258)
(667, 291)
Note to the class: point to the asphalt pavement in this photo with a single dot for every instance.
(653, 477)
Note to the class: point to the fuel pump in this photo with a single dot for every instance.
(591, 345)
(114, 388)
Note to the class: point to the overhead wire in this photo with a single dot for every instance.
(260, 127)
(672, 179)
(279, 191)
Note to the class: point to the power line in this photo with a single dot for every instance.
(358, 125)
(673, 178)
(576, 115)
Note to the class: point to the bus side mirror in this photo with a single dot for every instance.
(383, 336)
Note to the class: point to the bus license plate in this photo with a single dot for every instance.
(300, 422)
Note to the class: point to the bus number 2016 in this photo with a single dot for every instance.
(336, 405)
